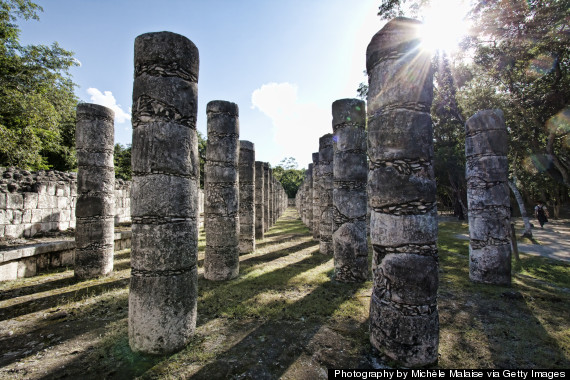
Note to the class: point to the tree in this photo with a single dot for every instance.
(519, 62)
(290, 177)
(449, 139)
(288, 163)
(122, 161)
(522, 65)
(37, 102)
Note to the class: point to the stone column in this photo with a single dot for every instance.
(266, 196)
(309, 197)
(246, 197)
(221, 260)
(270, 193)
(165, 193)
(350, 171)
(316, 201)
(95, 207)
(486, 143)
(259, 199)
(404, 323)
(325, 196)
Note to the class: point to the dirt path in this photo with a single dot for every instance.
(552, 241)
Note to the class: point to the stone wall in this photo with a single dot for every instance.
(32, 203)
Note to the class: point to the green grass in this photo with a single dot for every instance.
(284, 315)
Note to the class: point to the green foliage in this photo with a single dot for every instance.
(518, 61)
(37, 103)
(122, 161)
(449, 139)
(290, 177)
(521, 65)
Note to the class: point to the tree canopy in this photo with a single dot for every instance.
(289, 176)
(515, 58)
(37, 102)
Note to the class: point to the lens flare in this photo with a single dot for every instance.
(444, 25)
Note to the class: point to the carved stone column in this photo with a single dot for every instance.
(95, 210)
(404, 321)
(316, 201)
(246, 197)
(350, 171)
(221, 259)
(325, 196)
(266, 178)
(259, 200)
(164, 206)
(486, 144)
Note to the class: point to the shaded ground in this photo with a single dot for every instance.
(282, 317)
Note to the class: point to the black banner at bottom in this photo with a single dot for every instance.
(407, 374)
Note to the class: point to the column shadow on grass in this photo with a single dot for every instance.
(277, 343)
(223, 300)
(47, 302)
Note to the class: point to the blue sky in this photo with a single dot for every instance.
(283, 62)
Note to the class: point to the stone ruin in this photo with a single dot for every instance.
(266, 179)
(95, 207)
(165, 168)
(404, 323)
(486, 144)
(221, 218)
(315, 201)
(395, 190)
(325, 190)
(259, 201)
(350, 172)
(246, 197)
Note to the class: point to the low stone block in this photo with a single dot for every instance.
(14, 201)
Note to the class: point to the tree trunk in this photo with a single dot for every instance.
(518, 197)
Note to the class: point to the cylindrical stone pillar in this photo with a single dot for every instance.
(404, 322)
(271, 204)
(221, 217)
(309, 197)
(165, 193)
(95, 207)
(246, 197)
(266, 179)
(316, 201)
(326, 193)
(486, 143)
(350, 171)
(259, 212)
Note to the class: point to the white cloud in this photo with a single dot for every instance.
(297, 125)
(108, 100)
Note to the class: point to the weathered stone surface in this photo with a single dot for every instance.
(259, 200)
(326, 193)
(246, 197)
(316, 201)
(404, 322)
(221, 209)
(95, 206)
(271, 200)
(488, 198)
(350, 170)
(266, 178)
(165, 193)
(162, 309)
(308, 204)
(489, 263)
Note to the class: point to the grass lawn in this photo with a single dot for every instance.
(282, 317)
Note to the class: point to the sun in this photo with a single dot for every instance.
(444, 25)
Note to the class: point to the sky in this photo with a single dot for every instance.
(283, 62)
